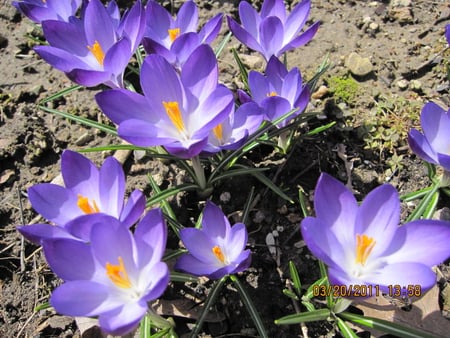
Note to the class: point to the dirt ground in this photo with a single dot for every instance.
(387, 58)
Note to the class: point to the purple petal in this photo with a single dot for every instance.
(276, 69)
(243, 36)
(444, 161)
(425, 242)
(211, 29)
(404, 274)
(35, 13)
(435, 123)
(121, 104)
(250, 19)
(236, 241)
(296, 20)
(80, 173)
(36, 233)
(151, 238)
(158, 278)
(54, 203)
(124, 319)
(133, 209)
(60, 59)
(192, 265)
(188, 151)
(301, 40)
(200, 72)
(158, 22)
(118, 57)
(336, 206)
(70, 259)
(81, 226)
(243, 97)
(143, 133)
(66, 36)
(214, 223)
(187, 17)
(275, 107)
(112, 187)
(259, 86)
(273, 8)
(322, 242)
(271, 36)
(80, 298)
(199, 245)
(447, 33)
(133, 24)
(379, 216)
(182, 48)
(421, 147)
(90, 78)
(98, 25)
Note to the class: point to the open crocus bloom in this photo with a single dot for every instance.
(114, 276)
(97, 48)
(177, 112)
(272, 32)
(215, 250)
(41, 10)
(176, 38)
(364, 245)
(433, 145)
(277, 92)
(88, 190)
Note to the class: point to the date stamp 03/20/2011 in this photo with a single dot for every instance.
(361, 290)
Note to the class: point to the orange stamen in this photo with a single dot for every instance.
(364, 246)
(97, 51)
(173, 34)
(271, 94)
(218, 132)
(118, 274)
(217, 251)
(85, 206)
(173, 111)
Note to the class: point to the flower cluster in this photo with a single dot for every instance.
(109, 250)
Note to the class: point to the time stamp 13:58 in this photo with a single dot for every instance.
(362, 290)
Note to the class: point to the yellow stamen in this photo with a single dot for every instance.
(218, 132)
(271, 94)
(173, 111)
(364, 246)
(118, 275)
(97, 51)
(217, 251)
(173, 34)
(85, 206)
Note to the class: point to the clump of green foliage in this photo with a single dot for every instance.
(387, 127)
(344, 88)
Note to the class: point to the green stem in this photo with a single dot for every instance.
(199, 172)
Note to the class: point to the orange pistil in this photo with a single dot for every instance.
(218, 132)
(364, 246)
(271, 94)
(217, 251)
(173, 111)
(85, 206)
(97, 51)
(173, 34)
(118, 274)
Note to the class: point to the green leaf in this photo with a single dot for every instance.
(145, 327)
(321, 129)
(310, 292)
(82, 120)
(242, 69)
(182, 277)
(212, 296)
(269, 184)
(295, 277)
(250, 307)
(415, 194)
(237, 172)
(222, 44)
(385, 326)
(290, 294)
(42, 306)
(159, 197)
(60, 94)
(344, 329)
(304, 317)
(424, 203)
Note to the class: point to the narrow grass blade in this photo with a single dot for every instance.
(182, 277)
(269, 184)
(145, 327)
(82, 120)
(431, 207)
(320, 129)
(250, 307)
(60, 94)
(385, 326)
(310, 291)
(213, 294)
(248, 205)
(304, 317)
(295, 277)
(302, 201)
(344, 329)
(415, 194)
(242, 69)
(423, 204)
(237, 172)
(159, 197)
(222, 44)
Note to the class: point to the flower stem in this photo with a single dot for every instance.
(200, 178)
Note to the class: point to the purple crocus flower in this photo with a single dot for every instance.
(215, 250)
(273, 32)
(88, 190)
(114, 276)
(178, 112)
(433, 145)
(447, 33)
(234, 131)
(277, 92)
(175, 39)
(41, 10)
(364, 245)
(97, 48)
